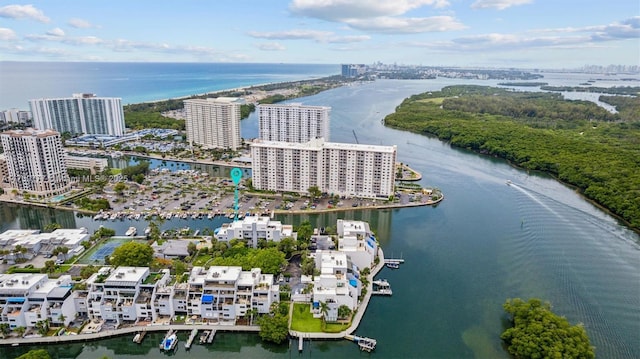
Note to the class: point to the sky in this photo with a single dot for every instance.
(473, 33)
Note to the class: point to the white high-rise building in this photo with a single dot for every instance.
(337, 168)
(35, 161)
(214, 122)
(293, 122)
(80, 114)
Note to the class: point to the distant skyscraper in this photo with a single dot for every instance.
(293, 122)
(80, 114)
(15, 116)
(214, 122)
(337, 168)
(35, 161)
(353, 70)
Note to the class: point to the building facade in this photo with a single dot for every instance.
(254, 228)
(35, 161)
(80, 114)
(214, 122)
(293, 122)
(338, 168)
(15, 116)
(94, 165)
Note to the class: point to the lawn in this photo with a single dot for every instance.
(303, 321)
(202, 259)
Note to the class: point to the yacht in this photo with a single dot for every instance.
(131, 231)
(170, 342)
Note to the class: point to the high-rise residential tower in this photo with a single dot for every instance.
(214, 122)
(80, 114)
(35, 161)
(293, 122)
(338, 168)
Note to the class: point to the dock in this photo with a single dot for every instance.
(365, 344)
(381, 287)
(192, 336)
(211, 336)
(300, 343)
(393, 260)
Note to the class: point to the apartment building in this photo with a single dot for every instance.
(224, 293)
(356, 240)
(344, 169)
(15, 116)
(35, 243)
(293, 122)
(94, 165)
(214, 122)
(80, 114)
(254, 228)
(338, 284)
(123, 294)
(26, 299)
(35, 161)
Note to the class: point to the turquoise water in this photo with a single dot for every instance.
(140, 82)
(484, 243)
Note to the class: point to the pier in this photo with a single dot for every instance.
(211, 336)
(192, 336)
(365, 344)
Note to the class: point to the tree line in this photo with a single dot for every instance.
(574, 141)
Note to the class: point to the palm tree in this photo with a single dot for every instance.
(61, 318)
(324, 309)
(251, 312)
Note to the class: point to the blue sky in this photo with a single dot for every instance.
(513, 33)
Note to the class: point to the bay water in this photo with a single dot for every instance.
(486, 242)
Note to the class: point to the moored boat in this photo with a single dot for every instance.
(131, 231)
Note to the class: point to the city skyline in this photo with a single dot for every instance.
(487, 33)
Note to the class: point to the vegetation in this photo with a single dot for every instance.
(269, 260)
(539, 333)
(132, 254)
(35, 354)
(619, 90)
(275, 326)
(135, 117)
(94, 205)
(576, 141)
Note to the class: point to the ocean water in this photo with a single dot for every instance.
(139, 82)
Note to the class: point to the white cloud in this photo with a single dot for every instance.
(80, 23)
(498, 4)
(320, 36)
(271, 46)
(7, 34)
(339, 10)
(23, 12)
(398, 25)
(56, 32)
(317, 36)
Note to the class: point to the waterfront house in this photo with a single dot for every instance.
(336, 285)
(254, 228)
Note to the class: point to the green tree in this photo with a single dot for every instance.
(314, 192)
(133, 254)
(269, 260)
(20, 331)
(304, 230)
(35, 354)
(324, 309)
(49, 266)
(287, 245)
(52, 227)
(274, 328)
(539, 333)
(5, 329)
(119, 187)
(179, 267)
(192, 248)
(344, 311)
(87, 271)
